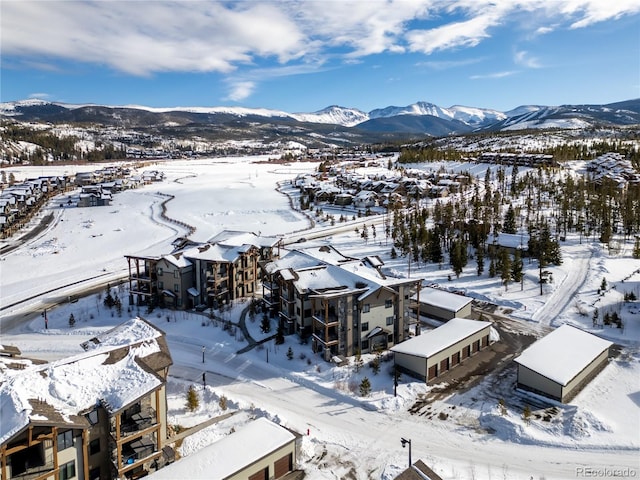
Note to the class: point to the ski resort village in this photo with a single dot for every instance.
(423, 312)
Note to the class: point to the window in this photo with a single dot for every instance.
(388, 303)
(94, 473)
(68, 470)
(365, 345)
(94, 446)
(65, 440)
(176, 287)
(176, 274)
(161, 285)
(365, 326)
(390, 320)
(92, 416)
(160, 271)
(366, 308)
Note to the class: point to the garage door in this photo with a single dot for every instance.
(455, 358)
(444, 365)
(261, 475)
(283, 466)
(433, 372)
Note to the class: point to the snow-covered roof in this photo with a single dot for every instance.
(177, 259)
(213, 253)
(436, 340)
(231, 454)
(131, 332)
(442, 299)
(512, 240)
(563, 353)
(59, 392)
(238, 238)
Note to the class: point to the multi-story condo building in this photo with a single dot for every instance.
(94, 416)
(343, 305)
(210, 274)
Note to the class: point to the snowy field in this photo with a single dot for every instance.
(462, 436)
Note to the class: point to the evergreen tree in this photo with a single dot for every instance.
(510, 221)
(595, 317)
(505, 267)
(480, 260)
(72, 320)
(636, 248)
(280, 335)
(365, 387)
(265, 325)
(193, 402)
(517, 268)
(108, 299)
(458, 257)
(290, 353)
(492, 268)
(358, 361)
(603, 285)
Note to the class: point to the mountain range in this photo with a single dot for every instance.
(418, 119)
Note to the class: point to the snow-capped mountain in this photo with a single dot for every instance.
(335, 114)
(420, 118)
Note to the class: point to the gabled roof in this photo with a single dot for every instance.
(231, 454)
(429, 343)
(237, 238)
(442, 299)
(563, 353)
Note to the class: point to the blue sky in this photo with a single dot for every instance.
(304, 55)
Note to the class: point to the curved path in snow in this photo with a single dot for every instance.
(565, 293)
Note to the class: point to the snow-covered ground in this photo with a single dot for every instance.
(462, 436)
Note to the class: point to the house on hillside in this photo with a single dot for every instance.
(510, 242)
(430, 354)
(560, 364)
(97, 415)
(443, 305)
(260, 450)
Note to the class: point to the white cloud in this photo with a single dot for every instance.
(41, 96)
(503, 74)
(467, 33)
(448, 64)
(241, 90)
(147, 37)
(523, 58)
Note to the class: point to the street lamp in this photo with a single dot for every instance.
(203, 354)
(404, 442)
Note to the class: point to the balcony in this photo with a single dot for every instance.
(137, 451)
(330, 320)
(139, 421)
(326, 341)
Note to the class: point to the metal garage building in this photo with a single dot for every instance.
(430, 354)
(260, 450)
(559, 365)
(443, 305)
